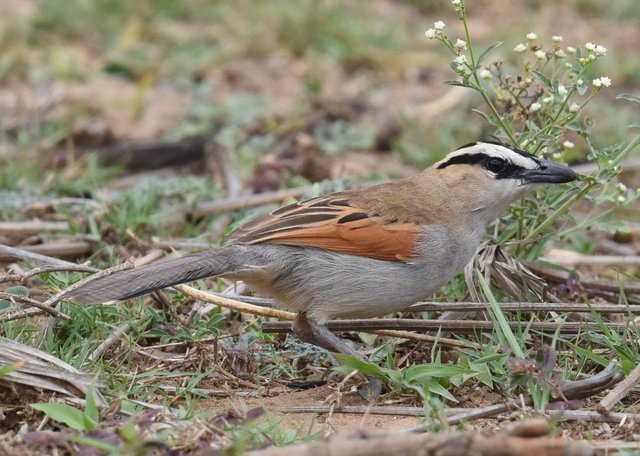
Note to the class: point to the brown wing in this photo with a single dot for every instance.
(331, 222)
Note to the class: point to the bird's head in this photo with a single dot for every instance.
(488, 176)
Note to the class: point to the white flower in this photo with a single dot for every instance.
(461, 45)
(520, 48)
(438, 25)
(547, 100)
(540, 54)
(534, 107)
(621, 199)
(602, 81)
(460, 59)
(556, 39)
(590, 46)
(431, 33)
(456, 2)
(557, 156)
(532, 36)
(621, 188)
(568, 145)
(484, 74)
(562, 90)
(600, 50)
(560, 54)
(571, 50)
(574, 108)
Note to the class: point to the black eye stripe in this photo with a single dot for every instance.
(509, 171)
(464, 159)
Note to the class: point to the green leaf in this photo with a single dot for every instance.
(4, 370)
(543, 79)
(490, 120)
(417, 373)
(94, 443)
(366, 369)
(629, 97)
(66, 414)
(18, 291)
(453, 82)
(488, 51)
(434, 387)
(498, 317)
(91, 409)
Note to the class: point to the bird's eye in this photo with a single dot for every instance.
(495, 165)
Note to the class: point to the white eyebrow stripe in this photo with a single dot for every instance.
(493, 150)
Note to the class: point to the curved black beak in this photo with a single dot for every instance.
(549, 173)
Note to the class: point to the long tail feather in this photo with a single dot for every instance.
(128, 283)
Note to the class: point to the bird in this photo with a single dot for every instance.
(360, 253)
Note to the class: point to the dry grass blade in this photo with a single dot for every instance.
(507, 274)
(38, 369)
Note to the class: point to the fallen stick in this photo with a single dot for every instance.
(445, 325)
(566, 415)
(110, 341)
(562, 277)
(436, 306)
(390, 443)
(23, 228)
(14, 254)
(620, 391)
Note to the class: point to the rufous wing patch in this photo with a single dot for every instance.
(329, 222)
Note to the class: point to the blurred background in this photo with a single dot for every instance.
(257, 96)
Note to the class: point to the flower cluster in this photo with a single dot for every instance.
(529, 106)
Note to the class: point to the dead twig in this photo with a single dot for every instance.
(46, 269)
(15, 254)
(240, 202)
(389, 443)
(605, 285)
(483, 412)
(573, 259)
(620, 391)
(466, 326)
(436, 306)
(526, 307)
(120, 331)
(32, 302)
(24, 228)
(425, 338)
(66, 249)
(235, 305)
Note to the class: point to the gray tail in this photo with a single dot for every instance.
(120, 284)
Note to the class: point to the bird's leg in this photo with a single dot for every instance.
(312, 332)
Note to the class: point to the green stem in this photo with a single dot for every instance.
(561, 210)
(506, 130)
(632, 145)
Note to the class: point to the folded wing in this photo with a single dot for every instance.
(331, 222)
